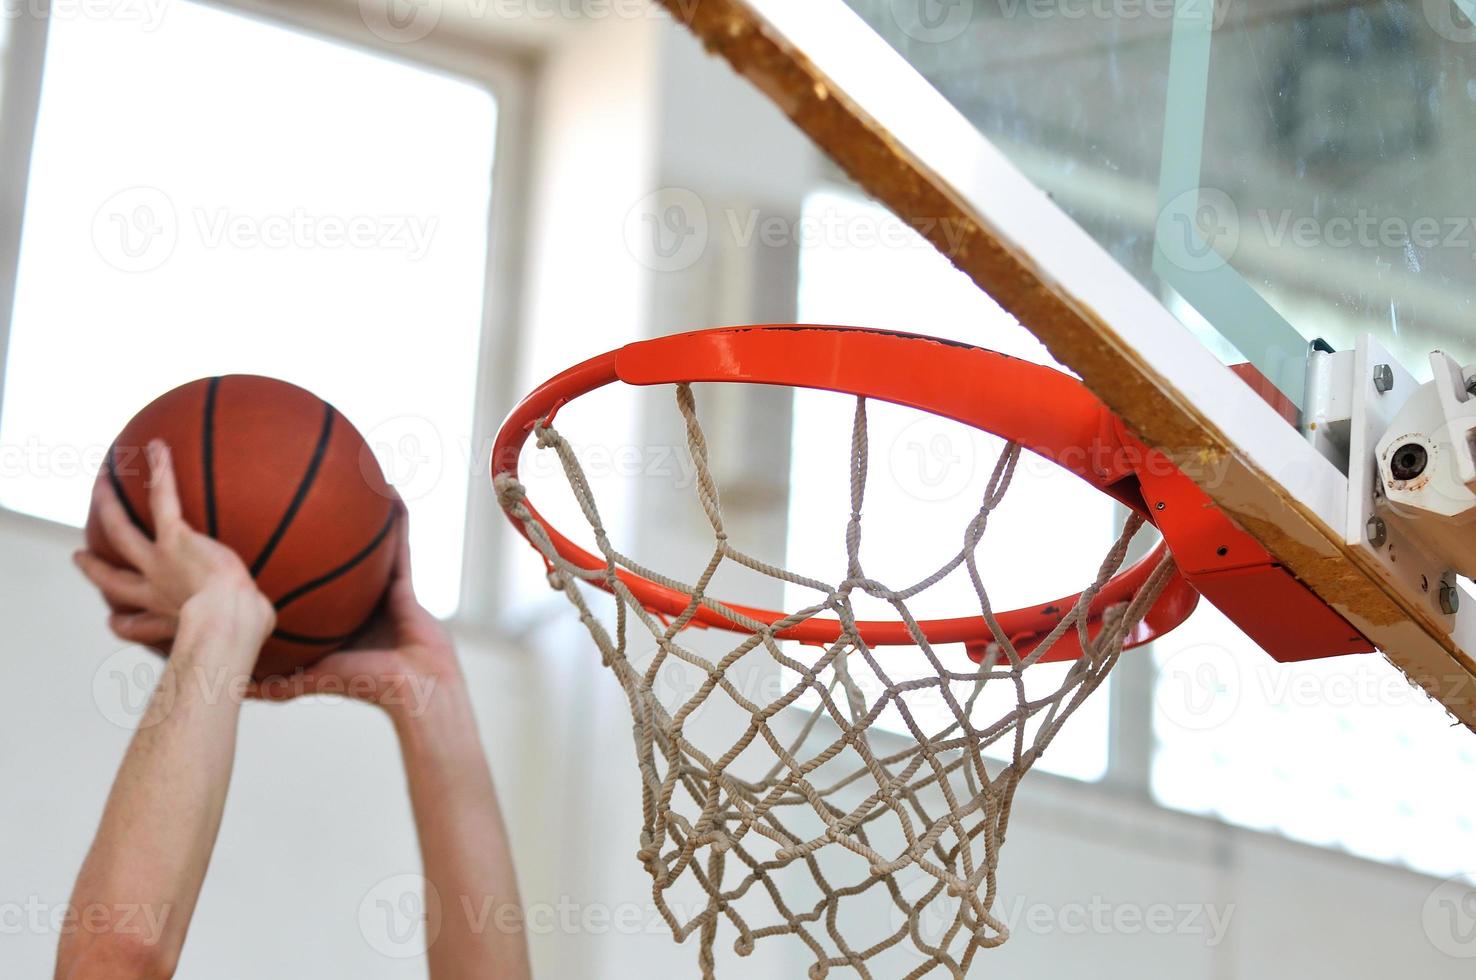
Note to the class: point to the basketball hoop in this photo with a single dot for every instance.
(930, 804)
(1058, 419)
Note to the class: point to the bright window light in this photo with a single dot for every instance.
(860, 266)
(1342, 752)
(211, 194)
(5, 36)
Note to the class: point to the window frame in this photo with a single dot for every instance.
(504, 69)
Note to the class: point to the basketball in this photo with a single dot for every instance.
(285, 480)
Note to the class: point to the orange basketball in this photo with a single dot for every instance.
(285, 480)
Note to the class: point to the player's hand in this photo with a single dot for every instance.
(394, 662)
(179, 573)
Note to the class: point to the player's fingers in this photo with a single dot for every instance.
(163, 494)
(142, 627)
(119, 529)
(121, 586)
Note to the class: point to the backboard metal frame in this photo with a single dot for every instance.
(873, 114)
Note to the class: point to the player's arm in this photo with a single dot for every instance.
(463, 842)
(407, 665)
(138, 886)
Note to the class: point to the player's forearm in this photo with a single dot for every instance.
(463, 841)
(159, 826)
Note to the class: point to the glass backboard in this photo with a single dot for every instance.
(1279, 174)
(1178, 197)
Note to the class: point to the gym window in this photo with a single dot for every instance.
(1244, 739)
(325, 222)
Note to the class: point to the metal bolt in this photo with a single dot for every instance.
(1378, 533)
(1450, 598)
(1383, 378)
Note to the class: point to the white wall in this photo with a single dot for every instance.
(318, 821)
(318, 818)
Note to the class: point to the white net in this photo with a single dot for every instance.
(797, 825)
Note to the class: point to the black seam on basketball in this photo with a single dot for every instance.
(343, 569)
(303, 487)
(212, 525)
(117, 485)
(306, 640)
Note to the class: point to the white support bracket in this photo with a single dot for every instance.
(1458, 411)
(1353, 399)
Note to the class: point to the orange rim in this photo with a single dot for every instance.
(1048, 413)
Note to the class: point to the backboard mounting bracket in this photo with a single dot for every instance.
(1353, 398)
